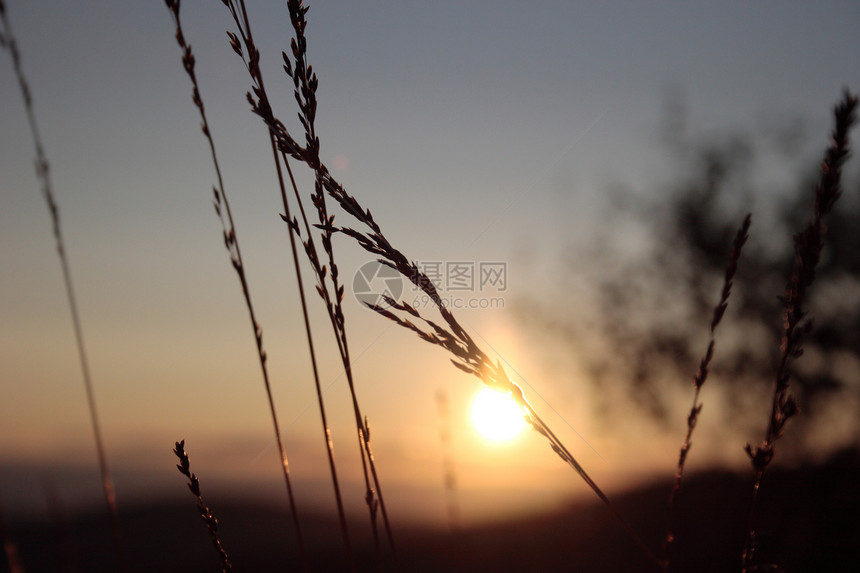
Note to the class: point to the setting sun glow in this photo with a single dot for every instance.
(496, 416)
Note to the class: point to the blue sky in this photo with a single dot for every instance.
(475, 131)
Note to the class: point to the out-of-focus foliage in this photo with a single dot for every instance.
(641, 294)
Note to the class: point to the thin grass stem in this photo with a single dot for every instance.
(699, 380)
(367, 465)
(373, 493)
(559, 448)
(305, 83)
(43, 174)
(808, 245)
(233, 246)
(184, 467)
(261, 106)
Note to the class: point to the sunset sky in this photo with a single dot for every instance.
(476, 132)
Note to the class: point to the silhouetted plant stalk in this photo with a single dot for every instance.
(7, 41)
(328, 286)
(453, 337)
(232, 244)
(184, 467)
(305, 85)
(700, 378)
(473, 360)
(807, 252)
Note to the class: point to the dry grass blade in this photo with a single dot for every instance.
(452, 336)
(184, 467)
(7, 41)
(231, 242)
(808, 245)
(559, 448)
(701, 376)
(326, 275)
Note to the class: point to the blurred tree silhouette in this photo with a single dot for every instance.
(643, 290)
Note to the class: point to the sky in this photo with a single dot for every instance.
(477, 132)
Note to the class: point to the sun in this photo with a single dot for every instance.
(496, 416)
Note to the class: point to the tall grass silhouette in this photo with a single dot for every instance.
(7, 41)
(808, 244)
(701, 377)
(452, 336)
(340, 216)
(184, 467)
(327, 276)
(231, 241)
(446, 331)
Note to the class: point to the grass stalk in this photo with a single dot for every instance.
(808, 245)
(328, 286)
(699, 380)
(184, 467)
(232, 243)
(305, 83)
(452, 336)
(334, 311)
(559, 448)
(7, 41)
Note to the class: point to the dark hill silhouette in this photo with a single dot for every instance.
(808, 523)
